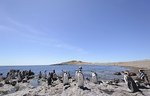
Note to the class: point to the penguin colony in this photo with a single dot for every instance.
(24, 76)
(79, 78)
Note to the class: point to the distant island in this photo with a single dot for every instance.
(73, 62)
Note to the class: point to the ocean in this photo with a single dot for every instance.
(104, 72)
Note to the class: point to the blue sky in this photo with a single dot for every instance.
(52, 31)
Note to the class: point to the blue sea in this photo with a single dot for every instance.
(104, 72)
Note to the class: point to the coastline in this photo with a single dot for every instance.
(105, 88)
(134, 66)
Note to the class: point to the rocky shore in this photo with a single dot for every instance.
(57, 89)
(39, 87)
(135, 65)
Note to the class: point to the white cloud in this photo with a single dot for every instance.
(38, 36)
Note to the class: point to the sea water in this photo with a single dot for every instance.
(104, 72)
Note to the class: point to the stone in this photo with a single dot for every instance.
(117, 73)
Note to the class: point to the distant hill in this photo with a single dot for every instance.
(74, 62)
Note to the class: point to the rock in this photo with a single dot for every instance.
(73, 80)
(117, 73)
(132, 74)
(28, 94)
(87, 79)
(30, 77)
(34, 83)
(109, 82)
(24, 81)
(1, 84)
(1, 73)
(66, 87)
(1, 79)
(3, 93)
(7, 81)
(13, 83)
(100, 82)
(116, 81)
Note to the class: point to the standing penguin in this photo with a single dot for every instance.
(40, 75)
(20, 77)
(49, 79)
(76, 75)
(94, 78)
(80, 79)
(130, 82)
(1, 77)
(65, 78)
(45, 74)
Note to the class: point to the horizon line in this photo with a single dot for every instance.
(71, 60)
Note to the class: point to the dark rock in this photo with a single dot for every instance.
(66, 87)
(7, 81)
(28, 94)
(132, 74)
(1, 84)
(100, 82)
(117, 73)
(13, 83)
(110, 92)
(116, 81)
(30, 77)
(3, 78)
(19, 80)
(73, 80)
(24, 81)
(87, 79)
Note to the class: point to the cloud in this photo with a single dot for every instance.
(33, 35)
(70, 47)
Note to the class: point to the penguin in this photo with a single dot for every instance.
(54, 76)
(65, 78)
(1, 77)
(76, 75)
(45, 74)
(80, 68)
(94, 78)
(19, 77)
(130, 82)
(25, 79)
(40, 75)
(80, 79)
(49, 79)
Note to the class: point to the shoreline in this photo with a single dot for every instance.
(105, 88)
(135, 67)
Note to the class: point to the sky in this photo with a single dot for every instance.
(34, 32)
